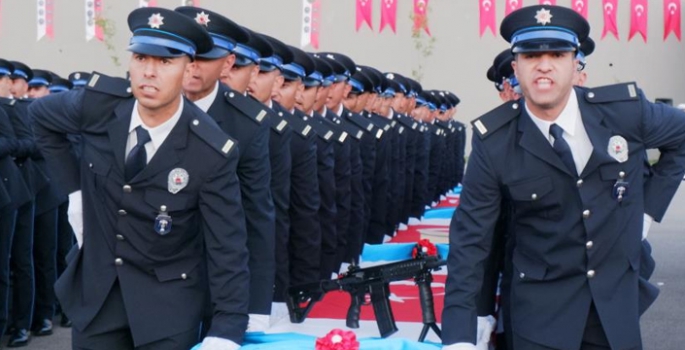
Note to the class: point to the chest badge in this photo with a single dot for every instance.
(618, 148)
(163, 221)
(178, 180)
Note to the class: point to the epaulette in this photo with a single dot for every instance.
(361, 122)
(208, 131)
(611, 93)
(253, 109)
(109, 85)
(278, 123)
(8, 101)
(301, 127)
(322, 130)
(496, 118)
(340, 134)
(352, 130)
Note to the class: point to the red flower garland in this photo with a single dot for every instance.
(337, 339)
(426, 249)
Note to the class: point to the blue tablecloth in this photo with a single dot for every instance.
(295, 341)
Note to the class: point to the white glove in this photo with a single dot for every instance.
(646, 224)
(258, 323)
(216, 343)
(75, 215)
(460, 346)
(485, 327)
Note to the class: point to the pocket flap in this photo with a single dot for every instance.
(530, 190)
(528, 268)
(96, 163)
(176, 270)
(158, 198)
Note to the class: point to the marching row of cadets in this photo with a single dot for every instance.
(333, 154)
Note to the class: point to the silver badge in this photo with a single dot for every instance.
(178, 180)
(618, 148)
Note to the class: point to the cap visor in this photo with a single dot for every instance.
(214, 54)
(155, 50)
(543, 46)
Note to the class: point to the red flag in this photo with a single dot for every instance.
(364, 13)
(581, 7)
(638, 19)
(389, 14)
(672, 18)
(548, 2)
(487, 16)
(512, 5)
(421, 16)
(609, 8)
(311, 20)
(49, 23)
(147, 3)
(316, 23)
(195, 3)
(93, 14)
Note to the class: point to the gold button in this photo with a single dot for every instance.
(118, 261)
(120, 237)
(184, 276)
(534, 196)
(579, 182)
(589, 245)
(586, 214)
(127, 188)
(591, 274)
(122, 212)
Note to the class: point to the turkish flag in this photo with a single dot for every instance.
(580, 6)
(389, 14)
(364, 13)
(672, 18)
(638, 19)
(421, 16)
(548, 2)
(609, 8)
(487, 16)
(512, 5)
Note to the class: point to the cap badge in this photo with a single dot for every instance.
(155, 21)
(178, 179)
(618, 148)
(202, 18)
(330, 56)
(543, 16)
(390, 76)
(77, 76)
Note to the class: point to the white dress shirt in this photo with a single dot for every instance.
(157, 134)
(206, 102)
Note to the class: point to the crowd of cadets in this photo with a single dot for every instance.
(333, 154)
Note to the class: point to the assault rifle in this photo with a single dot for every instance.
(375, 282)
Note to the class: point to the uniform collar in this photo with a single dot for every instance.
(567, 119)
(159, 133)
(206, 102)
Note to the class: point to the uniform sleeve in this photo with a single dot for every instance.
(7, 140)
(226, 253)
(471, 234)
(55, 116)
(664, 129)
(26, 145)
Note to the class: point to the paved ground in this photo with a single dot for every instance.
(662, 325)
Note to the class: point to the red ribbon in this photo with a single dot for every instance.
(389, 14)
(364, 13)
(487, 16)
(672, 18)
(512, 5)
(421, 16)
(548, 2)
(337, 339)
(580, 6)
(610, 8)
(638, 19)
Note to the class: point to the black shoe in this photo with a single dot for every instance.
(20, 338)
(65, 322)
(43, 328)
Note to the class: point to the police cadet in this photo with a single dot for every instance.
(442, 122)
(59, 84)
(332, 251)
(39, 84)
(402, 125)
(335, 111)
(260, 88)
(421, 174)
(79, 79)
(245, 120)
(412, 127)
(501, 73)
(162, 228)
(381, 95)
(325, 143)
(21, 75)
(578, 201)
(304, 240)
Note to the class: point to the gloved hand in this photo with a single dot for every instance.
(75, 215)
(460, 346)
(485, 327)
(216, 343)
(258, 323)
(646, 224)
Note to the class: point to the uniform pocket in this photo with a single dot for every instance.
(527, 268)
(178, 270)
(535, 197)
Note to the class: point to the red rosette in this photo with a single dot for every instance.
(337, 339)
(424, 248)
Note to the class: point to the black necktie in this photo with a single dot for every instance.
(137, 158)
(562, 148)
